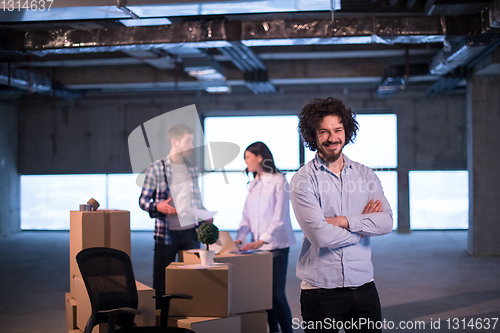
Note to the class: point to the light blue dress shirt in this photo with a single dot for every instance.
(333, 257)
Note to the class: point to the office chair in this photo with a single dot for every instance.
(110, 282)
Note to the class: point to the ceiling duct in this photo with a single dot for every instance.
(446, 83)
(188, 34)
(258, 82)
(209, 72)
(256, 78)
(396, 77)
(453, 78)
(210, 34)
(494, 15)
(391, 86)
(154, 57)
(461, 52)
(33, 83)
(361, 30)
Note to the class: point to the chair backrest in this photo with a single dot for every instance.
(110, 282)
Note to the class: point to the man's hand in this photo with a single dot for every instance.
(165, 208)
(252, 245)
(339, 221)
(373, 207)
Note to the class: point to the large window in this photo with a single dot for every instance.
(47, 199)
(439, 200)
(279, 133)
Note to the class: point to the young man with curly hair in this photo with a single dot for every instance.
(339, 205)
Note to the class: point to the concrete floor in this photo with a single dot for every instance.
(421, 276)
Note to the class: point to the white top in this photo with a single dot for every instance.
(180, 188)
(267, 213)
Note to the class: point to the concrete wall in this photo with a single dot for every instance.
(10, 205)
(91, 136)
(483, 119)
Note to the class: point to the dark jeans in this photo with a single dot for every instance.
(347, 305)
(280, 313)
(165, 254)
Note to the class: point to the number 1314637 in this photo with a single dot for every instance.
(33, 5)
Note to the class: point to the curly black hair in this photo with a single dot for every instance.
(313, 113)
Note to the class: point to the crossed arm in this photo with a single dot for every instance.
(341, 221)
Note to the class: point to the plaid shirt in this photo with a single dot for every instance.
(156, 190)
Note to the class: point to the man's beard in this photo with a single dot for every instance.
(330, 156)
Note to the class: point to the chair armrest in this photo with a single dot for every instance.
(120, 311)
(165, 305)
(113, 313)
(174, 295)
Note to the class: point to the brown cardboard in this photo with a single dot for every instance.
(210, 288)
(254, 322)
(70, 312)
(207, 324)
(102, 228)
(83, 309)
(146, 305)
(251, 279)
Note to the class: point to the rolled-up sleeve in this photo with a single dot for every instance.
(148, 190)
(244, 227)
(281, 211)
(310, 217)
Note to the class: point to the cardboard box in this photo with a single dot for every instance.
(207, 324)
(102, 228)
(210, 288)
(82, 306)
(146, 305)
(254, 322)
(251, 279)
(70, 312)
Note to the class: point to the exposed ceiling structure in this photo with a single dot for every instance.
(73, 49)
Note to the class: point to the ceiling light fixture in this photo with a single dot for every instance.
(145, 22)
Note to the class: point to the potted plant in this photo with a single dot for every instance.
(208, 234)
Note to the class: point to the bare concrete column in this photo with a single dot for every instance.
(10, 204)
(483, 163)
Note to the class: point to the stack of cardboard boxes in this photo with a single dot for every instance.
(231, 296)
(101, 228)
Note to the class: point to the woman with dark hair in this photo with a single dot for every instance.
(267, 216)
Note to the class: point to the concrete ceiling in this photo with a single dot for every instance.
(81, 48)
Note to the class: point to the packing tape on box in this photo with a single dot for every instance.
(93, 202)
(107, 229)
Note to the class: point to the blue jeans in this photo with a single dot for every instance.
(280, 313)
(165, 254)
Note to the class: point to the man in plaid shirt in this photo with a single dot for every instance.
(172, 179)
